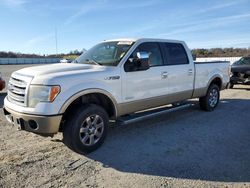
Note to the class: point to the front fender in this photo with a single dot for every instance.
(88, 91)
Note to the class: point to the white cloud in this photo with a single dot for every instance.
(134, 32)
(126, 5)
(38, 39)
(85, 8)
(221, 6)
(81, 12)
(106, 5)
(14, 3)
(206, 24)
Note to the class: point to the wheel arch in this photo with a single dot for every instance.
(216, 79)
(100, 94)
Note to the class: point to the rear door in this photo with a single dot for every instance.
(180, 71)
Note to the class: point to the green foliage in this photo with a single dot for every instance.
(70, 57)
(72, 54)
(213, 52)
(18, 55)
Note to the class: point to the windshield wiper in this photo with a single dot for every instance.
(88, 61)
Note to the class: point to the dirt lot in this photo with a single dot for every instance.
(188, 148)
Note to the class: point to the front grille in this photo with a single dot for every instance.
(16, 91)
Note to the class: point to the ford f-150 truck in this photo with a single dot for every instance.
(113, 79)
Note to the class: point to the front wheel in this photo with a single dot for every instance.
(211, 100)
(86, 130)
(231, 85)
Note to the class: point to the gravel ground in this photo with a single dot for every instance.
(187, 148)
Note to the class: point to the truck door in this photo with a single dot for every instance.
(179, 72)
(145, 85)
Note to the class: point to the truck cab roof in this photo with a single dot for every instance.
(145, 40)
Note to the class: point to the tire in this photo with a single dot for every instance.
(231, 86)
(86, 130)
(211, 100)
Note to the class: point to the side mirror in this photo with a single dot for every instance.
(142, 61)
(138, 63)
(142, 55)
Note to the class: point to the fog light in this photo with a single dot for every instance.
(33, 124)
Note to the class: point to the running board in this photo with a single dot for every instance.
(148, 114)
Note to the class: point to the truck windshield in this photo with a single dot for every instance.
(107, 53)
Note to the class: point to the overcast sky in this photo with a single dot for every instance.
(29, 26)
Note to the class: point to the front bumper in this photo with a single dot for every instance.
(43, 125)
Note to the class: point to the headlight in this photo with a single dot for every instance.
(42, 94)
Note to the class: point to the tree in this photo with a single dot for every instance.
(221, 52)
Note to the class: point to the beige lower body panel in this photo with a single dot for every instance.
(45, 124)
(199, 92)
(135, 106)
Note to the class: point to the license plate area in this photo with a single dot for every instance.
(17, 122)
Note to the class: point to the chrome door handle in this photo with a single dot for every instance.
(164, 75)
(190, 71)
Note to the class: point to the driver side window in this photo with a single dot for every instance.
(153, 49)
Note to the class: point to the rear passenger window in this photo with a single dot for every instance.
(175, 54)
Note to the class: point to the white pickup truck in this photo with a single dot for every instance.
(113, 79)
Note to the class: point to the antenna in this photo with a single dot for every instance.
(56, 40)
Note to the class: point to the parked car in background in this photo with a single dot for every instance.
(240, 72)
(2, 83)
(66, 61)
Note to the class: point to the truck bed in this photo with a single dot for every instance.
(204, 72)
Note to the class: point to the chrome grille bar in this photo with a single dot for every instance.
(16, 91)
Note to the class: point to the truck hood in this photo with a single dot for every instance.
(58, 68)
(240, 68)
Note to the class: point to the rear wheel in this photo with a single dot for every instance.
(87, 129)
(211, 100)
